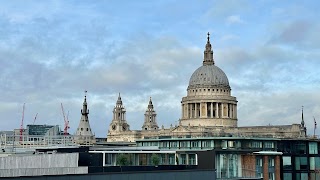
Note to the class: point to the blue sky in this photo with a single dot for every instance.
(51, 51)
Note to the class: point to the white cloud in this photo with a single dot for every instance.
(234, 19)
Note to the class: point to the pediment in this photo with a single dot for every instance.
(180, 129)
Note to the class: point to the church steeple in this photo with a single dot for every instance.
(208, 53)
(84, 133)
(150, 105)
(150, 122)
(85, 110)
(119, 101)
(119, 122)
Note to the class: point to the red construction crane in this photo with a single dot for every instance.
(21, 127)
(66, 122)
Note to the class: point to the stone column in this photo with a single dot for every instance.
(206, 109)
(211, 109)
(188, 111)
(221, 107)
(194, 107)
(227, 111)
(195, 110)
(182, 111)
(217, 110)
(231, 110)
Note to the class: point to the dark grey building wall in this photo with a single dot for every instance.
(168, 175)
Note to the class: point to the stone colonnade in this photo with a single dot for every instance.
(209, 110)
(119, 115)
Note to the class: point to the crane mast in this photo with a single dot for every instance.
(21, 126)
(66, 121)
(35, 118)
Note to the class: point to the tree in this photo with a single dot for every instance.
(122, 160)
(155, 159)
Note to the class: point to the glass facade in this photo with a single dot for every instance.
(259, 169)
(287, 164)
(300, 157)
(227, 165)
(301, 163)
(313, 148)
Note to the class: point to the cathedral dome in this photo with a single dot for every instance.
(209, 75)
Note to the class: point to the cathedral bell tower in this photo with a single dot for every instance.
(119, 122)
(150, 122)
(84, 134)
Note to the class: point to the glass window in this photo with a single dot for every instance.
(301, 148)
(313, 148)
(184, 144)
(163, 144)
(173, 144)
(271, 176)
(287, 162)
(108, 159)
(163, 160)
(195, 144)
(256, 144)
(301, 163)
(287, 176)
(224, 144)
(314, 163)
(172, 159)
(183, 159)
(301, 176)
(315, 176)
(259, 169)
(207, 143)
(192, 159)
(268, 145)
(271, 161)
(231, 144)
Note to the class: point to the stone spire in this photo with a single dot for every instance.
(84, 134)
(208, 53)
(150, 122)
(119, 101)
(85, 110)
(150, 105)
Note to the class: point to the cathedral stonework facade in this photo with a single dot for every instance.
(208, 110)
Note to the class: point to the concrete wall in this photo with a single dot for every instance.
(40, 164)
(39, 161)
(42, 171)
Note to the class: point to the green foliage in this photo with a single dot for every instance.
(122, 160)
(155, 159)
